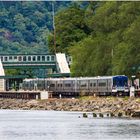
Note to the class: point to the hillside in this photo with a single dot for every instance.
(25, 26)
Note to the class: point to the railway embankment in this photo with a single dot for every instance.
(126, 106)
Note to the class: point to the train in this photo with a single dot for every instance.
(75, 86)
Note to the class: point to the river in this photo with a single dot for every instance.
(53, 125)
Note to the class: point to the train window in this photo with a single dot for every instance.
(125, 83)
(52, 85)
(114, 82)
(93, 84)
(102, 84)
(67, 85)
(59, 85)
(83, 85)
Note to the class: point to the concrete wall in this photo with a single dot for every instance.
(2, 81)
(44, 95)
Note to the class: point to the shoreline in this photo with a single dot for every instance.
(117, 106)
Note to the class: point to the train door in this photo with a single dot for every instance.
(67, 86)
(93, 85)
(75, 85)
(52, 86)
(84, 86)
(60, 86)
(109, 85)
(102, 86)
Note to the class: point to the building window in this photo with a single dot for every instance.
(1, 58)
(5, 58)
(43, 58)
(29, 58)
(48, 58)
(34, 58)
(24, 58)
(19, 58)
(52, 58)
(10, 57)
(38, 58)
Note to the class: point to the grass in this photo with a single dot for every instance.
(86, 97)
(138, 100)
(126, 98)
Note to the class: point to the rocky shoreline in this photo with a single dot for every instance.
(129, 107)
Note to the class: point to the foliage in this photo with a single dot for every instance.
(113, 45)
(101, 37)
(70, 28)
(25, 25)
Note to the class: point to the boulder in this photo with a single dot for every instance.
(136, 114)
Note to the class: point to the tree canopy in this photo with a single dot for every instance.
(102, 38)
(25, 25)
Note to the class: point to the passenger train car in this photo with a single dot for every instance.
(101, 85)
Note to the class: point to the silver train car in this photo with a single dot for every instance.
(101, 85)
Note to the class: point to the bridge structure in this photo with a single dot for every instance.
(43, 65)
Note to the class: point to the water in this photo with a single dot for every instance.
(52, 125)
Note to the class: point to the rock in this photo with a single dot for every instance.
(94, 115)
(136, 114)
(112, 114)
(101, 115)
(85, 115)
(32, 102)
(112, 105)
(25, 108)
(107, 115)
(120, 114)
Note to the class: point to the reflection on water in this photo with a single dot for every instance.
(52, 125)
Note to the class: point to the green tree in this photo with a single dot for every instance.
(114, 40)
(70, 27)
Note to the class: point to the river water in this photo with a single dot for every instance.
(53, 125)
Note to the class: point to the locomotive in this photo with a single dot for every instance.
(100, 85)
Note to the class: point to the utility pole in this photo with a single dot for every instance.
(54, 28)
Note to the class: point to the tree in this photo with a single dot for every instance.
(70, 27)
(114, 41)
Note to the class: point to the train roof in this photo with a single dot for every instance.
(87, 78)
(75, 78)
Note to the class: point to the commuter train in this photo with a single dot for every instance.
(101, 85)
